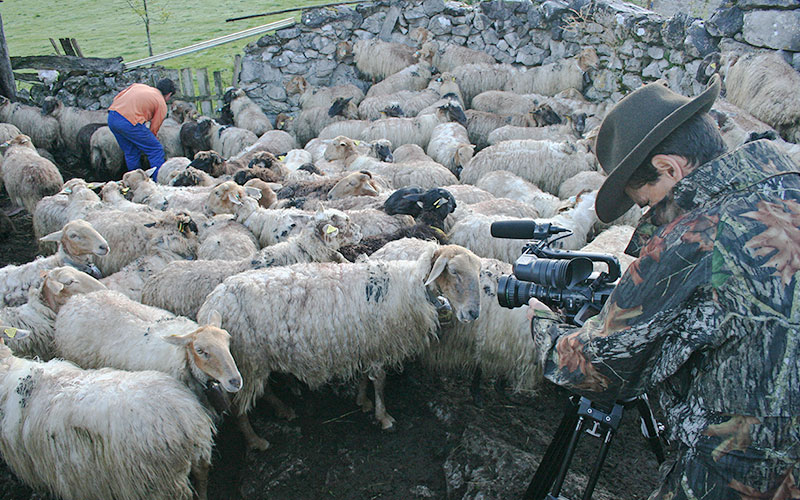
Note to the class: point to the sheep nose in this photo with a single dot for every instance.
(102, 250)
(473, 314)
(235, 383)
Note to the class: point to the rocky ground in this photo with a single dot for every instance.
(444, 446)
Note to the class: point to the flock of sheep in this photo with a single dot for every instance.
(334, 244)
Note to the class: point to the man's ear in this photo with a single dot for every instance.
(674, 167)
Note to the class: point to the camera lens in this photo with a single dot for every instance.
(512, 292)
(555, 273)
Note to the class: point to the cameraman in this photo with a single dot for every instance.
(708, 317)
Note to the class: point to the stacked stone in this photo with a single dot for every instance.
(634, 45)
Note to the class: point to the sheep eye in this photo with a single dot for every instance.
(201, 352)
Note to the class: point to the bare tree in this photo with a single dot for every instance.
(160, 13)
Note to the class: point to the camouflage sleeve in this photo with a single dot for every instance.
(659, 314)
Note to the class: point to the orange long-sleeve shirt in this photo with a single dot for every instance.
(140, 103)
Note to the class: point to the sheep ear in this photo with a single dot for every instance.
(179, 339)
(234, 198)
(253, 192)
(56, 236)
(215, 319)
(54, 286)
(437, 269)
(330, 231)
(149, 172)
(12, 333)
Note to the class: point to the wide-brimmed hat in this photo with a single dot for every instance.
(630, 131)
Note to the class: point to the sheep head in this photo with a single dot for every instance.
(207, 161)
(135, 178)
(335, 228)
(282, 121)
(340, 148)
(208, 350)
(342, 106)
(79, 239)
(268, 196)
(354, 184)
(343, 50)
(296, 85)
(62, 283)
(52, 106)
(8, 332)
(21, 140)
(182, 110)
(455, 275)
(225, 198)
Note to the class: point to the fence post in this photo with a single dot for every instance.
(187, 85)
(204, 92)
(218, 84)
(237, 69)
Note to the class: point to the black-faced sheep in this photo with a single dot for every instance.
(246, 113)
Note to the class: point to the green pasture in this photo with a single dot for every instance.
(110, 28)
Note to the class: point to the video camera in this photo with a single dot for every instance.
(561, 279)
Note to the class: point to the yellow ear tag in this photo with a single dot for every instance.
(439, 202)
(124, 190)
(358, 142)
(91, 185)
(180, 227)
(330, 229)
(282, 157)
(10, 332)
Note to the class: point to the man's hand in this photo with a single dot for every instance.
(536, 305)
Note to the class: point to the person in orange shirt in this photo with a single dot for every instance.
(127, 115)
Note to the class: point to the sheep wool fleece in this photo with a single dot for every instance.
(127, 115)
(707, 318)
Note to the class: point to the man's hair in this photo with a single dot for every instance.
(166, 86)
(697, 139)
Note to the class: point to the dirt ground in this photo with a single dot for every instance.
(444, 447)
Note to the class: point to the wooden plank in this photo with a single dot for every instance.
(388, 24)
(27, 77)
(69, 63)
(206, 106)
(218, 83)
(187, 85)
(67, 46)
(174, 75)
(55, 47)
(237, 70)
(285, 23)
(76, 47)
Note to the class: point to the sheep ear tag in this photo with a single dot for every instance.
(357, 142)
(282, 157)
(11, 333)
(330, 230)
(440, 202)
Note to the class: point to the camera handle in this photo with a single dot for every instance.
(581, 416)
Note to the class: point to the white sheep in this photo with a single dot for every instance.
(169, 169)
(377, 59)
(106, 156)
(414, 77)
(127, 435)
(449, 56)
(473, 231)
(107, 329)
(765, 86)
(277, 142)
(319, 241)
(71, 119)
(481, 123)
(497, 344)
(614, 241)
(416, 130)
(367, 316)
(77, 242)
(246, 113)
(549, 79)
(545, 163)
(27, 176)
(160, 197)
(223, 238)
(475, 78)
(504, 184)
(558, 133)
(313, 97)
(450, 146)
(229, 141)
(44, 131)
(52, 212)
(310, 121)
(467, 194)
(589, 180)
(38, 314)
(130, 280)
(402, 103)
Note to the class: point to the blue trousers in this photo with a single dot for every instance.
(134, 140)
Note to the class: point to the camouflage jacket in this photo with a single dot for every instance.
(708, 316)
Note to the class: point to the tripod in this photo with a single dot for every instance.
(582, 415)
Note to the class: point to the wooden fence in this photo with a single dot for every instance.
(194, 86)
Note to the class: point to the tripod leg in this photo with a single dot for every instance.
(601, 458)
(650, 427)
(553, 457)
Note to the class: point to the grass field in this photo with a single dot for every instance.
(110, 28)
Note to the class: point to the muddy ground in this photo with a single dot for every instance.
(444, 447)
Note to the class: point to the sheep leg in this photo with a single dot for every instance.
(362, 400)
(282, 410)
(475, 388)
(378, 378)
(254, 442)
(200, 479)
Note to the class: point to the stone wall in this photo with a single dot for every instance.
(635, 45)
